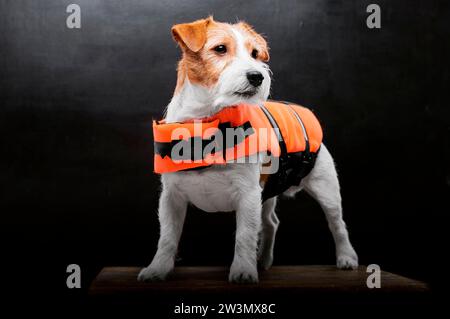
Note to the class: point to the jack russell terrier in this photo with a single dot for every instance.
(223, 77)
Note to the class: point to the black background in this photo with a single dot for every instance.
(75, 133)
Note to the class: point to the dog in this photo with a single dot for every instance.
(225, 64)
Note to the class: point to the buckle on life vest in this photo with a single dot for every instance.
(293, 167)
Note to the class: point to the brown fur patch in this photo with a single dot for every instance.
(254, 41)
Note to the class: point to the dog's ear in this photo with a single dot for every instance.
(262, 43)
(192, 35)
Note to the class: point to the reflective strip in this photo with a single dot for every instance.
(276, 129)
(305, 134)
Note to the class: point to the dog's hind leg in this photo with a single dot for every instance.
(322, 184)
(172, 212)
(269, 228)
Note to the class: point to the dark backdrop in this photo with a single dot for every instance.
(75, 132)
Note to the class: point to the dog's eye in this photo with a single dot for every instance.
(254, 53)
(220, 49)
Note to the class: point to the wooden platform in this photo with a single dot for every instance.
(120, 283)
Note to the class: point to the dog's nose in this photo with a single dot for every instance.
(255, 78)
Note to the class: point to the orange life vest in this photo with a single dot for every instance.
(287, 131)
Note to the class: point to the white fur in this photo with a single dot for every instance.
(236, 187)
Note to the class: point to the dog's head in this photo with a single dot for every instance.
(227, 61)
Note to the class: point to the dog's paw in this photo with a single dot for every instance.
(153, 274)
(243, 274)
(347, 260)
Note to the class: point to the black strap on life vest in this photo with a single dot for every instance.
(240, 133)
(293, 167)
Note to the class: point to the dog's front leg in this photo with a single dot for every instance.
(248, 223)
(172, 212)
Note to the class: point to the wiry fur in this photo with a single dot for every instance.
(206, 83)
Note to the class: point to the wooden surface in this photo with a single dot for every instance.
(120, 281)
